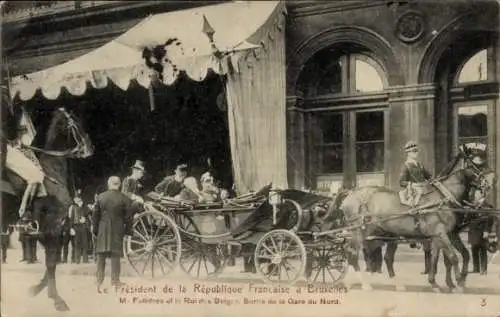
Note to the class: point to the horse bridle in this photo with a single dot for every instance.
(480, 182)
(79, 149)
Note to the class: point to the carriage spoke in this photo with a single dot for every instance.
(145, 264)
(286, 270)
(167, 261)
(316, 276)
(199, 266)
(267, 248)
(140, 235)
(164, 242)
(143, 225)
(153, 264)
(265, 257)
(137, 251)
(161, 265)
(274, 244)
(331, 274)
(131, 239)
(205, 264)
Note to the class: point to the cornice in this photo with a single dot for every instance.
(411, 92)
(108, 13)
(300, 9)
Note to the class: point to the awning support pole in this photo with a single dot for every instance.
(151, 97)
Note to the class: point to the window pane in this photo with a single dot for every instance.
(476, 68)
(332, 158)
(472, 121)
(367, 77)
(370, 126)
(370, 157)
(331, 83)
(332, 128)
(483, 140)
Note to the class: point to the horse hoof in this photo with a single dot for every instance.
(458, 290)
(435, 288)
(61, 305)
(35, 290)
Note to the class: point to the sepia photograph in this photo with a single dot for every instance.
(250, 158)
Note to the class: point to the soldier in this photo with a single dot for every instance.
(79, 221)
(478, 239)
(412, 179)
(112, 221)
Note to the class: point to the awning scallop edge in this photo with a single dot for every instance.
(121, 60)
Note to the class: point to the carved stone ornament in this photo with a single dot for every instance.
(410, 27)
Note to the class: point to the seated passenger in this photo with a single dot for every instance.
(190, 190)
(209, 192)
(172, 185)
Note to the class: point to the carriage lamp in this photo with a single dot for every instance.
(275, 199)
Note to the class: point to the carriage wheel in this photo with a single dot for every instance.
(199, 260)
(327, 263)
(202, 261)
(154, 249)
(280, 257)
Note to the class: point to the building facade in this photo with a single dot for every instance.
(363, 77)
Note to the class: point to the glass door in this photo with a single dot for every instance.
(474, 124)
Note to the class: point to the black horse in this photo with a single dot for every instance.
(64, 139)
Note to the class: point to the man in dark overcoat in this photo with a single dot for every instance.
(112, 220)
(478, 233)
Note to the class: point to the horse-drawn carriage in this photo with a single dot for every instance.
(200, 238)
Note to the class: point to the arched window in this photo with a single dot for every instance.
(346, 96)
(473, 111)
(475, 69)
(351, 73)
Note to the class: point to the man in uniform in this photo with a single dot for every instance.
(112, 220)
(478, 231)
(80, 227)
(412, 179)
(172, 185)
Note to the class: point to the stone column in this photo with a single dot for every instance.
(496, 110)
(411, 117)
(296, 145)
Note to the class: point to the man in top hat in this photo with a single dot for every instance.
(112, 222)
(173, 185)
(132, 185)
(412, 179)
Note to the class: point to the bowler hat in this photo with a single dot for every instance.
(139, 165)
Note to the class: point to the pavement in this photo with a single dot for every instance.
(406, 295)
